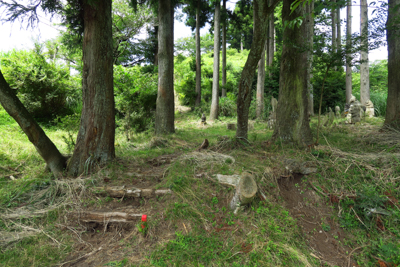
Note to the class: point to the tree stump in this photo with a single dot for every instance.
(231, 126)
(245, 191)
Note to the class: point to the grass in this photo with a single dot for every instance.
(194, 226)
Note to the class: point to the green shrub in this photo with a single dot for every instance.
(135, 97)
(44, 86)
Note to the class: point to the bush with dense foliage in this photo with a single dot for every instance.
(44, 85)
(135, 96)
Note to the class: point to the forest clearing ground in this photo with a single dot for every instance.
(320, 219)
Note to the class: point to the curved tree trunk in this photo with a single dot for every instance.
(95, 141)
(44, 146)
(261, 10)
(260, 87)
(165, 110)
(348, 54)
(392, 118)
(215, 85)
(292, 123)
(198, 57)
(223, 93)
(364, 68)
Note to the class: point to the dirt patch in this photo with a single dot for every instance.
(315, 219)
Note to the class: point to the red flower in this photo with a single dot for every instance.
(144, 218)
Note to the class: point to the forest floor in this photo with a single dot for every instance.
(344, 213)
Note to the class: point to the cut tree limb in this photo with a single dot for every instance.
(245, 191)
(106, 217)
(122, 191)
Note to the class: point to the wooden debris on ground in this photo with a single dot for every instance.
(122, 191)
(106, 217)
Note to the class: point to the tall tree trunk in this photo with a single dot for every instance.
(260, 87)
(392, 118)
(292, 123)
(198, 57)
(223, 93)
(334, 34)
(310, 32)
(165, 110)
(348, 53)
(44, 146)
(270, 43)
(261, 10)
(364, 68)
(95, 141)
(338, 30)
(215, 85)
(156, 46)
(241, 44)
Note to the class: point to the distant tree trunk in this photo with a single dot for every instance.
(338, 30)
(223, 93)
(392, 118)
(44, 146)
(156, 46)
(95, 141)
(292, 123)
(198, 57)
(165, 109)
(215, 85)
(348, 54)
(270, 43)
(364, 68)
(261, 10)
(310, 32)
(260, 87)
(334, 33)
(241, 43)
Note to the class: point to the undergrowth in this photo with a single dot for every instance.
(357, 174)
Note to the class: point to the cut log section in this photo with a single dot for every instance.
(106, 217)
(122, 191)
(245, 191)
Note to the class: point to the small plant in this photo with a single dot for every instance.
(143, 227)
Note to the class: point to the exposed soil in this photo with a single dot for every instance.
(314, 216)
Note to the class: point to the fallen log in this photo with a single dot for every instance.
(122, 191)
(245, 191)
(106, 217)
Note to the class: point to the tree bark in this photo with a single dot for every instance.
(270, 43)
(310, 32)
(95, 141)
(44, 146)
(348, 54)
(338, 30)
(261, 10)
(260, 87)
(165, 110)
(364, 68)
(392, 118)
(334, 34)
(198, 57)
(223, 93)
(292, 124)
(215, 85)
